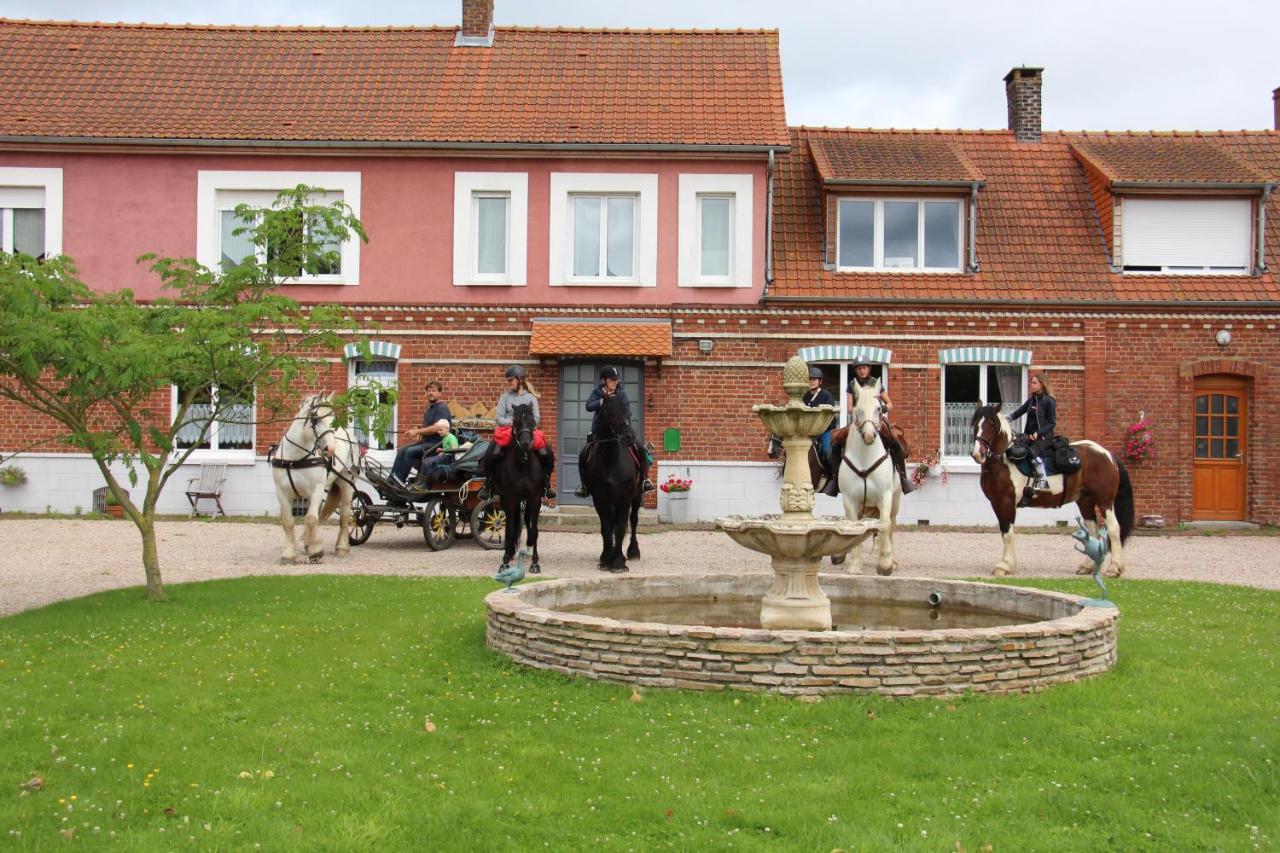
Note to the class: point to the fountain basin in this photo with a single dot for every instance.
(987, 638)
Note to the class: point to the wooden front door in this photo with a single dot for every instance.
(1218, 441)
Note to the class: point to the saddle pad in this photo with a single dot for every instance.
(1055, 480)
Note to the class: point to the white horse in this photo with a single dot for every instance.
(319, 461)
(868, 483)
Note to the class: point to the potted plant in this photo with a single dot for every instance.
(1139, 443)
(676, 491)
(113, 506)
(930, 466)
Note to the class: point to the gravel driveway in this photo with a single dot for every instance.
(48, 560)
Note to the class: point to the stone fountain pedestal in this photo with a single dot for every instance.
(796, 540)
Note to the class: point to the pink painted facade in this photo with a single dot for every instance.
(118, 206)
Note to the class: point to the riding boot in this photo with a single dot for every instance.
(487, 466)
(548, 466)
(582, 491)
(832, 487)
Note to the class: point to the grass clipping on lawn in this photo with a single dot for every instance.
(360, 713)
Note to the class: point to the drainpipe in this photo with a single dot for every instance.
(768, 227)
(1261, 265)
(973, 227)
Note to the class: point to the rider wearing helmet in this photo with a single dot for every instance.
(610, 386)
(862, 377)
(517, 393)
(819, 396)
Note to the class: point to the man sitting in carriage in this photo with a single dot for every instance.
(862, 378)
(437, 420)
(610, 386)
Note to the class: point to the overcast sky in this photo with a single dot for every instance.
(1120, 64)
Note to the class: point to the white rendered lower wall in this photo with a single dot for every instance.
(751, 488)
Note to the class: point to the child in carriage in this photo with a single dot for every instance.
(440, 455)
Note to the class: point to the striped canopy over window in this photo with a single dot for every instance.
(985, 355)
(377, 349)
(846, 352)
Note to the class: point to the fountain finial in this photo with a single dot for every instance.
(795, 379)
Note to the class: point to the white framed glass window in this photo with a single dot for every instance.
(1186, 236)
(716, 230)
(899, 234)
(604, 229)
(233, 431)
(603, 236)
(218, 194)
(234, 248)
(383, 372)
(490, 228)
(31, 211)
(964, 387)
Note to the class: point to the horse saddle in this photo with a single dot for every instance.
(1060, 458)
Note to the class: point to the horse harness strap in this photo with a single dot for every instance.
(864, 474)
(309, 461)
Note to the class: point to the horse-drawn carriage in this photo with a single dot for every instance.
(446, 506)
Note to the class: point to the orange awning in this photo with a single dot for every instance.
(621, 338)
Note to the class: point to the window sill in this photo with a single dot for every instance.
(221, 457)
(721, 283)
(604, 282)
(322, 279)
(482, 283)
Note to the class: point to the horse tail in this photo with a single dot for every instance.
(1123, 504)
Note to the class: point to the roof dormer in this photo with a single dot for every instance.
(1175, 204)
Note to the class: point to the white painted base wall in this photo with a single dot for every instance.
(751, 488)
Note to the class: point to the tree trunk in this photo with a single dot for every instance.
(151, 562)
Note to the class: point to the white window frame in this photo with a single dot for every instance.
(566, 185)
(467, 186)
(234, 456)
(354, 379)
(877, 234)
(209, 218)
(48, 180)
(983, 396)
(1125, 208)
(741, 189)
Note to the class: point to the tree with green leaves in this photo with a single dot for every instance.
(237, 350)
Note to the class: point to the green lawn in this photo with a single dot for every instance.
(354, 713)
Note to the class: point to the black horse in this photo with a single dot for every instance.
(519, 483)
(615, 480)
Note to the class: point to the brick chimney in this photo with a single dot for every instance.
(1022, 88)
(477, 24)
(1275, 105)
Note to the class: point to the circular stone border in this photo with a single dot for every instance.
(1065, 641)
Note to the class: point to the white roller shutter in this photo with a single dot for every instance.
(22, 197)
(1186, 233)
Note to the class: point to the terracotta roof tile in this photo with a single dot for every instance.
(410, 85)
(600, 338)
(1039, 235)
(888, 157)
(1163, 158)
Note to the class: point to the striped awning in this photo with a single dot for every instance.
(378, 349)
(846, 352)
(984, 355)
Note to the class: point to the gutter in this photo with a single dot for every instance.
(1036, 304)
(325, 144)
(1260, 265)
(768, 228)
(879, 182)
(1188, 185)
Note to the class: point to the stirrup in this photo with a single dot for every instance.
(549, 493)
(647, 485)
(1042, 485)
(582, 491)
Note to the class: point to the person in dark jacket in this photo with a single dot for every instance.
(610, 386)
(819, 396)
(429, 434)
(1042, 417)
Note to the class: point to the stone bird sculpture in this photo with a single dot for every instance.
(513, 572)
(1096, 548)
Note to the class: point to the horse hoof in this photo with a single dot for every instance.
(288, 560)
(1113, 572)
(837, 559)
(315, 558)
(885, 571)
(617, 570)
(535, 569)
(633, 553)
(1084, 570)
(1001, 572)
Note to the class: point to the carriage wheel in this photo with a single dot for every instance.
(489, 524)
(439, 524)
(362, 519)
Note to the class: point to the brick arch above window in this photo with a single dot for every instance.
(984, 355)
(846, 352)
(1231, 366)
(377, 349)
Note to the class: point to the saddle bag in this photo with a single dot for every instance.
(1065, 457)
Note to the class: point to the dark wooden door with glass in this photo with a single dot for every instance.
(577, 380)
(1218, 441)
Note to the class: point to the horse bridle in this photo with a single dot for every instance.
(526, 428)
(988, 450)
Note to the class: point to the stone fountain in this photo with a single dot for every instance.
(795, 540)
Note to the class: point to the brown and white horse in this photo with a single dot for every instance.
(1100, 486)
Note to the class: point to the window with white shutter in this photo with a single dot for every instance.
(1186, 236)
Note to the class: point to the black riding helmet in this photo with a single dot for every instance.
(609, 372)
(815, 372)
(515, 371)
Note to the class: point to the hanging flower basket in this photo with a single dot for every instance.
(1139, 442)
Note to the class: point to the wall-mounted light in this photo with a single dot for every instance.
(706, 345)
(1223, 337)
